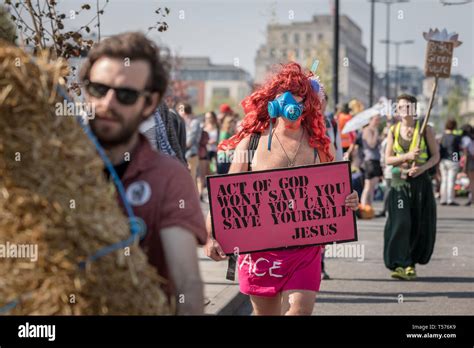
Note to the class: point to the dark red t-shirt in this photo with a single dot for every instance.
(162, 193)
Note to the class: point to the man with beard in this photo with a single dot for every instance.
(125, 80)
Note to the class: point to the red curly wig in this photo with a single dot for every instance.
(292, 78)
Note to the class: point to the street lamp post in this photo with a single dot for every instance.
(387, 53)
(335, 76)
(397, 55)
(372, 19)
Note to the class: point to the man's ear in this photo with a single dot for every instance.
(151, 103)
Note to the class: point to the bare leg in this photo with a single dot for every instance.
(374, 182)
(368, 192)
(298, 302)
(471, 184)
(364, 199)
(266, 305)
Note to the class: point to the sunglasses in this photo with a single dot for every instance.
(126, 96)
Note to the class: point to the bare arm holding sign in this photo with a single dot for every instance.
(239, 165)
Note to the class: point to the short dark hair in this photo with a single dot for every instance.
(451, 124)
(467, 130)
(187, 108)
(346, 108)
(134, 46)
(408, 97)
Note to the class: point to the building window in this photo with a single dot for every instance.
(272, 53)
(284, 38)
(284, 54)
(320, 36)
(307, 53)
(297, 38)
(221, 92)
(309, 37)
(297, 53)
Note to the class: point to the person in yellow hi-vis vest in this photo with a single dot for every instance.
(410, 229)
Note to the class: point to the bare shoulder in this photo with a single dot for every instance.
(243, 145)
(240, 161)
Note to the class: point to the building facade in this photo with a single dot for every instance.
(407, 79)
(303, 42)
(208, 84)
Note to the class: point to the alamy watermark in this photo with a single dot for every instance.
(346, 250)
(75, 109)
(20, 251)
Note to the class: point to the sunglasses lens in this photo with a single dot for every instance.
(126, 96)
(97, 90)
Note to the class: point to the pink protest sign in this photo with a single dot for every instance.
(280, 208)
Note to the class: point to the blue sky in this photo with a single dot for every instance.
(229, 29)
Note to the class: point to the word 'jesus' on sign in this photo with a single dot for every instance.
(281, 208)
(439, 57)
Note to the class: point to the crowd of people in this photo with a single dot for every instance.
(372, 175)
(408, 174)
(172, 150)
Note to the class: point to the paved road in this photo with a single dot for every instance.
(445, 286)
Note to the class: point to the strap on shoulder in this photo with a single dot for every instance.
(253, 144)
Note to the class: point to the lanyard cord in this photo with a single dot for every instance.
(135, 226)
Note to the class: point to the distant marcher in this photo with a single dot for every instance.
(410, 229)
(450, 153)
(387, 173)
(212, 128)
(467, 145)
(332, 128)
(224, 110)
(171, 118)
(227, 130)
(372, 168)
(203, 163)
(175, 129)
(342, 117)
(193, 136)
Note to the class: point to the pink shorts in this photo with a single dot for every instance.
(269, 272)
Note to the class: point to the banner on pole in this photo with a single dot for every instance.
(439, 58)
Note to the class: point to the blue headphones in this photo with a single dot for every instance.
(286, 106)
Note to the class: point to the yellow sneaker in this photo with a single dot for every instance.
(410, 272)
(399, 273)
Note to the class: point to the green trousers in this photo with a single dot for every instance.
(410, 229)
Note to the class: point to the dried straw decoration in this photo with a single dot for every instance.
(53, 193)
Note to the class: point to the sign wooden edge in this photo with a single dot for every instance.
(354, 218)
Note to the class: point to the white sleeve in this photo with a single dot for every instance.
(465, 142)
